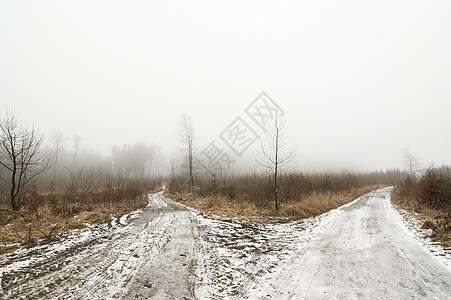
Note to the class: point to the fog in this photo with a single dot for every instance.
(358, 81)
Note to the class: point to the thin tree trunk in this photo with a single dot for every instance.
(276, 162)
(13, 186)
(190, 161)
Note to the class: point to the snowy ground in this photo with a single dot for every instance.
(363, 250)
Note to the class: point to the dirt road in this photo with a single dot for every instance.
(167, 251)
(152, 257)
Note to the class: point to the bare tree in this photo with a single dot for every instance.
(134, 162)
(174, 183)
(185, 134)
(172, 173)
(20, 155)
(57, 140)
(275, 152)
(412, 162)
(77, 140)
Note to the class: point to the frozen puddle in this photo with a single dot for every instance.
(168, 251)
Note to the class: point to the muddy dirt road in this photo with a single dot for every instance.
(151, 257)
(167, 251)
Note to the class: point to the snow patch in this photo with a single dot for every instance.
(412, 226)
(156, 200)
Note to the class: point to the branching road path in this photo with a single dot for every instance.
(167, 251)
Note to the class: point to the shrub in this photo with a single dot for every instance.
(430, 192)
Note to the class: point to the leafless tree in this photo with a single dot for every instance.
(21, 157)
(275, 152)
(412, 162)
(77, 140)
(185, 133)
(139, 161)
(57, 140)
(171, 173)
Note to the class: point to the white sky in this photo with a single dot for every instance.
(359, 79)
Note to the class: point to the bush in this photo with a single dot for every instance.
(431, 190)
(444, 182)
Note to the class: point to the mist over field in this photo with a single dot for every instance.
(358, 81)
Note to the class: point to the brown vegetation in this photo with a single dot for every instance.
(310, 205)
(430, 197)
(300, 195)
(46, 217)
(82, 199)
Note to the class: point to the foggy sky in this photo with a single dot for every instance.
(359, 80)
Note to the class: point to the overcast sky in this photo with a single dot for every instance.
(358, 80)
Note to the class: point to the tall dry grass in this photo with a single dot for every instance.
(45, 217)
(307, 206)
(300, 195)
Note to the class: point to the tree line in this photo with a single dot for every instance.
(29, 161)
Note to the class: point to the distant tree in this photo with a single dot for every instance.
(172, 174)
(412, 162)
(57, 141)
(185, 133)
(77, 140)
(275, 152)
(117, 165)
(20, 156)
(133, 162)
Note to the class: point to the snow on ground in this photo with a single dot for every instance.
(156, 200)
(364, 249)
(23, 259)
(359, 251)
(412, 225)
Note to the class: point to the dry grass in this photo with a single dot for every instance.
(30, 226)
(320, 202)
(314, 204)
(437, 220)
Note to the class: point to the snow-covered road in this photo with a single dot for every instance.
(360, 251)
(167, 251)
(148, 255)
